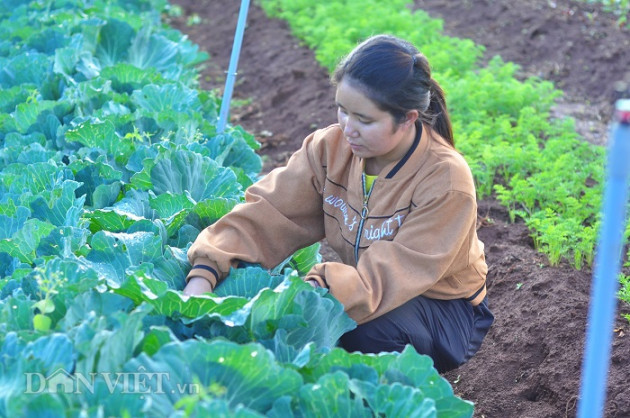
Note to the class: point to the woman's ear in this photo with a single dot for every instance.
(411, 117)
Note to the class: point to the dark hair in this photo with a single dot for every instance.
(397, 78)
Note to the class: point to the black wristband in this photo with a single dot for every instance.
(207, 268)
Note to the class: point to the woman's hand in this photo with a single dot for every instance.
(313, 283)
(197, 286)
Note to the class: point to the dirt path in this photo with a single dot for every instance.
(529, 365)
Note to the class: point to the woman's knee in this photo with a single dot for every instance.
(390, 332)
(439, 329)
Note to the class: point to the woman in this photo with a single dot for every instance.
(393, 197)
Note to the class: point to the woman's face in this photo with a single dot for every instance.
(371, 132)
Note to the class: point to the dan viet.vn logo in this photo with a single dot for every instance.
(139, 382)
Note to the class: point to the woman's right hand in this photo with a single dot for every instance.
(197, 286)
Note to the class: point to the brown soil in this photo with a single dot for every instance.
(530, 362)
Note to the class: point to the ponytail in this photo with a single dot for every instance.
(441, 121)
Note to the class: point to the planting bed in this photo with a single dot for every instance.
(529, 365)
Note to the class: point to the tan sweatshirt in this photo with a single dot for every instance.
(415, 236)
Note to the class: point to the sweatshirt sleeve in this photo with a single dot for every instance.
(281, 214)
(433, 243)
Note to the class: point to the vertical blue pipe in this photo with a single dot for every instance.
(231, 73)
(607, 265)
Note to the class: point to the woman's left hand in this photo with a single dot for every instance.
(313, 283)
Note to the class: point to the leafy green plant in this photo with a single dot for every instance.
(621, 8)
(624, 293)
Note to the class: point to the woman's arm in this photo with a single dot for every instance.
(281, 214)
(197, 285)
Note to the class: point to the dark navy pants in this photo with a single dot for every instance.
(449, 331)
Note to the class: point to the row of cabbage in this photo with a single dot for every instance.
(110, 165)
(538, 167)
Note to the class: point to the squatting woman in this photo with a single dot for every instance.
(393, 197)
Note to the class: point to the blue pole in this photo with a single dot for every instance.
(607, 266)
(231, 73)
